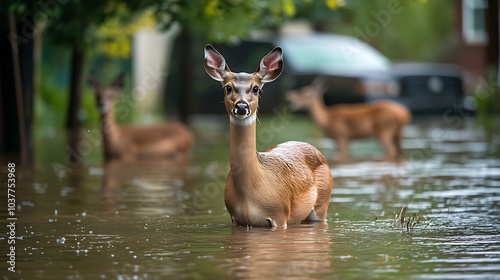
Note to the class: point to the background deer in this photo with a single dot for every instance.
(288, 183)
(166, 140)
(383, 120)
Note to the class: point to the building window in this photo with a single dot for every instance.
(474, 21)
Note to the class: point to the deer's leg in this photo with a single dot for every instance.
(343, 149)
(387, 140)
(397, 144)
(324, 185)
(236, 222)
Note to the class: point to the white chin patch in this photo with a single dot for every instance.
(243, 122)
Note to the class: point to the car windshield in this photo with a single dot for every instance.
(330, 54)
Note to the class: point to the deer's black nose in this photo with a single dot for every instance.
(241, 108)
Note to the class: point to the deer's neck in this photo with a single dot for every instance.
(318, 111)
(110, 131)
(244, 158)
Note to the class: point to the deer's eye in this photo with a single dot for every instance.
(255, 89)
(229, 89)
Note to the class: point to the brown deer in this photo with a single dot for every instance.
(167, 140)
(287, 184)
(383, 120)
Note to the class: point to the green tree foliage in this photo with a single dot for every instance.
(222, 20)
(401, 29)
(323, 16)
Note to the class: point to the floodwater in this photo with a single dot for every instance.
(80, 219)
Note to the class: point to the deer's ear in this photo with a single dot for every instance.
(215, 64)
(119, 81)
(270, 66)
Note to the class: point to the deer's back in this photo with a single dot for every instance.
(142, 135)
(294, 153)
(366, 119)
(292, 161)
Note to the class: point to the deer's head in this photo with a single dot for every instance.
(105, 94)
(302, 98)
(241, 90)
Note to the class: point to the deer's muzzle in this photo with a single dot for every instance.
(241, 109)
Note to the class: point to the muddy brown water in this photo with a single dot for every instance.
(80, 219)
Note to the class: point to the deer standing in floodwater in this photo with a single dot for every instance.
(171, 140)
(383, 120)
(287, 184)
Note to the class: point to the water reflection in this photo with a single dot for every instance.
(153, 185)
(298, 252)
(163, 220)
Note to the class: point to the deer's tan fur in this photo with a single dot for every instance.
(383, 120)
(127, 142)
(288, 183)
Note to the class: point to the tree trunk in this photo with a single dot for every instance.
(16, 88)
(493, 44)
(186, 72)
(27, 70)
(75, 94)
